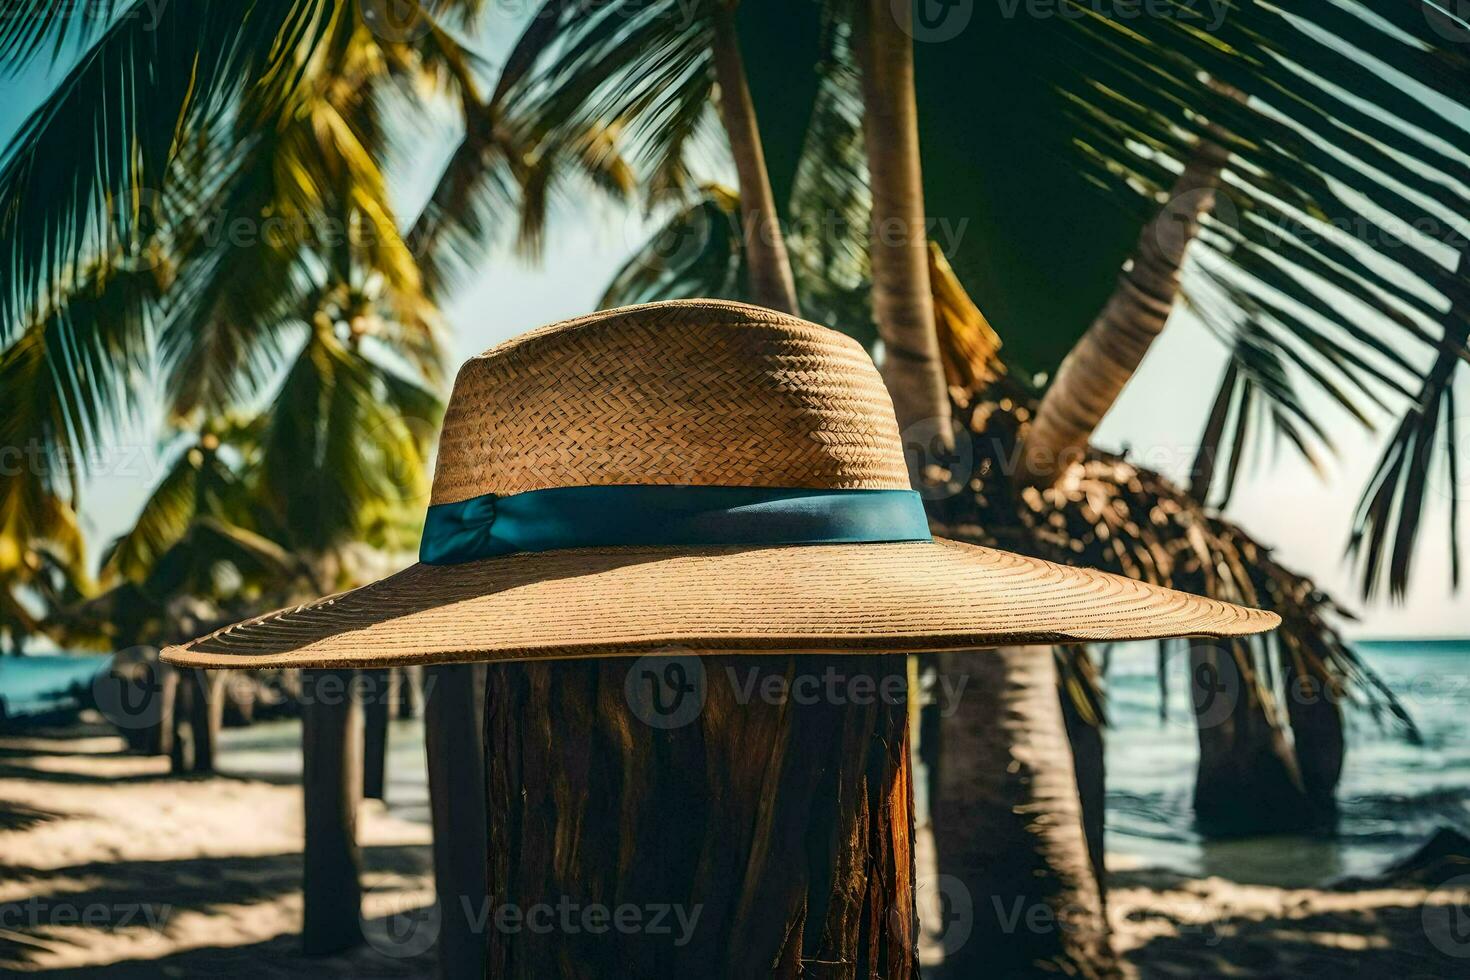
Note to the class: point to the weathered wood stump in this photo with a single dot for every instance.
(724, 816)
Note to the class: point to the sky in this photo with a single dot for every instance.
(1281, 501)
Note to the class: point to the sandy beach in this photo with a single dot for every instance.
(106, 862)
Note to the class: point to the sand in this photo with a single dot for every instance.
(105, 862)
(1168, 925)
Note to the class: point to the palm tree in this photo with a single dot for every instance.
(216, 174)
(649, 71)
(1005, 747)
(903, 305)
(1267, 343)
(1097, 368)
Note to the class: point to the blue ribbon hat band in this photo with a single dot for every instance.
(607, 516)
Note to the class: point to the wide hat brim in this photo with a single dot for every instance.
(606, 602)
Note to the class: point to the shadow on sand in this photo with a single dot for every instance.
(156, 894)
(1361, 928)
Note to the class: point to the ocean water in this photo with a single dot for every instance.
(1392, 796)
(36, 685)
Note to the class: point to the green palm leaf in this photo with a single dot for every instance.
(79, 172)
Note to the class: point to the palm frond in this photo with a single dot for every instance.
(642, 65)
(1346, 193)
(353, 430)
(78, 174)
(698, 252)
(29, 26)
(1110, 513)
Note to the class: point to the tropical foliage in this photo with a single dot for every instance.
(197, 225)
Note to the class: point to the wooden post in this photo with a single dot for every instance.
(375, 713)
(454, 713)
(331, 782)
(762, 829)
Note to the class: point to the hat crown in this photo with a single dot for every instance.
(694, 393)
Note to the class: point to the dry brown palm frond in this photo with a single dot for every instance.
(1110, 513)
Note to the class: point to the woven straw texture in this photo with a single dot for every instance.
(896, 597)
(702, 393)
(672, 393)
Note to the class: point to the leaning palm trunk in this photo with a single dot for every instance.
(769, 268)
(1095, 371)
(747, 836)
(1008, 827)
(903, 303)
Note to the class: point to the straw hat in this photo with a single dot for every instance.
(701, 475)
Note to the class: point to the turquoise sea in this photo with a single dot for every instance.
(1393, 794)
(45, 683)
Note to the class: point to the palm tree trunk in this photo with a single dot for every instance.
(1006, 838)
(1089, 760)
(1008, 827)
(331, 784)
(1094, 373)
(771, 283)
(1248, 780)
(903, 302)
(745, 835)
(375, 733)
(197, 713)
(408, 692)
(1314, 712)
(454, 727)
